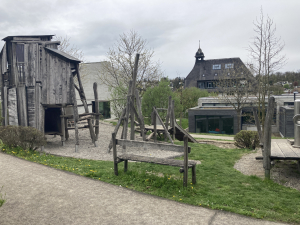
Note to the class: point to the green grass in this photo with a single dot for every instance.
(219, 185)
(213, 139)
(2, 200)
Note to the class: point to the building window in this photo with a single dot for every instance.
(210, 85)
(217, 67)
(216, 74)
(228, 74)
(229, 66)
(203, 75)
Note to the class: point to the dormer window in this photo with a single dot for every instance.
(216, 67)
(229, 66)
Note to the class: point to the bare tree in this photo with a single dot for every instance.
(266, 56)
(235, 86)
(119, 70)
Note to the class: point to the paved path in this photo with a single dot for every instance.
(38, 194)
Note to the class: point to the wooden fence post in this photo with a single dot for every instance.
(96, 111)
(115, 153)
(257, 125)
(267, 137)
(186, 160)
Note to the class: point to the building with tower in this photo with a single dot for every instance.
(206, 73)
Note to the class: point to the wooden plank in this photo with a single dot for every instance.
(288, 151)
(160, 161)
(12, 107)
(168, 114)
(64, 82)
(22, 106)
(173, 119)
(276, 151)
(151, 145)
(48, 75)
(26, 68)
(32, 64)
(44, 78)
(39, 119)
(31, 106)
(14, 69)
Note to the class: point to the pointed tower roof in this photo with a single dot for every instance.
(199, 53)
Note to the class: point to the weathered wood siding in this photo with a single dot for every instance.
(55, 80)
(22, 106)
(31, 106)
(12, 107)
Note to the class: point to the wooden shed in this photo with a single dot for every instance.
(37, 82)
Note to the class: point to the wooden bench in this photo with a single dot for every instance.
(184, 165)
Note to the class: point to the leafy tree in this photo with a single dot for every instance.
(295, 83)
(158, 96)
(286, 86)
(189, 97)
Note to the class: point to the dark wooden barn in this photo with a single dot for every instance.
(37, 83)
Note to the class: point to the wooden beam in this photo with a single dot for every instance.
(125, 126)
(168, 114)
(116, 129)
(96, 110)
(134, 76)
(114, 144)
(165, 129)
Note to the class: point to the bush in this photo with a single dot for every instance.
(246, 139)
(24, 137)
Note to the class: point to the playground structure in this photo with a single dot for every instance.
(38, 85)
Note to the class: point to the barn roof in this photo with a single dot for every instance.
(63, 54)
(8, 38)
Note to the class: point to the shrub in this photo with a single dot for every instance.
(24, 137)
(246, 139)
(2, 200)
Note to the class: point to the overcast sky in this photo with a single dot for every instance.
(172, 28)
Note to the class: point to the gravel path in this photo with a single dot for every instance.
(284, 172)
(88, 151)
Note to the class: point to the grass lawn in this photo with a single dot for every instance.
(219, 185)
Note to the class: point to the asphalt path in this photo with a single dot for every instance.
(37, 194)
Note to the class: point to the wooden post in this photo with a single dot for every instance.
(174, 119)
(63, 129)
(139, 108)
(22, 106)
(186, 160)
(125, 126)
(163, 125)
(117, 128)
(75, 111)
(267, 137)
(96, 110)
(134, 75)
(125, 165)
(257, 125)
(115, 153)
(154, 124)
(168, 114)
